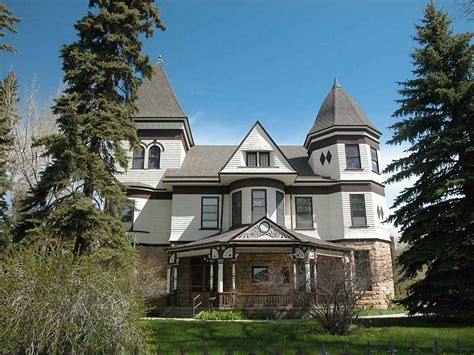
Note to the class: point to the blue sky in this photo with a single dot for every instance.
(233, 62)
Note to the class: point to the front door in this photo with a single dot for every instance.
(200, 275)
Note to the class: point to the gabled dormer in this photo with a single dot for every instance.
(258, 154)
(342, 143)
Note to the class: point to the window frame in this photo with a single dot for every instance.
(296, 212)
(260, 281)
(280, 222)
(251, 201)
(247, 159)
(132, 215)
(372, 149)
(154, 157)
(233, 223)
(202, 212)
(353, 157)
(142, 149)
(352, 211)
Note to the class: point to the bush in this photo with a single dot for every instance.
(221, 315)
(54, 302)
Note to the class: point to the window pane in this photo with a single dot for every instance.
(362, 270)
(259, 204)
(127, 218)
(280, 203)
(210, 212)
(304, 212)
(260, 274)
(375, 160)
(252, 159)
(154, 157)
(358, 210)
(236, 208)
(264, 159)
(352, 156)
(138, 159)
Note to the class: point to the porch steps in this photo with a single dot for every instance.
(178, 312)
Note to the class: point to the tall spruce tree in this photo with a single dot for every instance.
(436, 214)
(78, 197)
(8, 118)
(7, 21)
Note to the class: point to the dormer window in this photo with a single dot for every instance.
(154, 157)
(258, 159)
(138, 161)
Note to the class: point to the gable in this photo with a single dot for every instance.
(258, 140)
(263, 231)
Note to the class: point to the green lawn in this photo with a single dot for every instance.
(290, 336)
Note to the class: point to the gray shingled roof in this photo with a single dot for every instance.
(208, 160)
(156, 97)
(339, 109)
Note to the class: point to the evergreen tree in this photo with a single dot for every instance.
(78, 196)
(8, 117)
(436, 214)
(7, 21)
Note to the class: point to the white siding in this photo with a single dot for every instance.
(152, 221)
(331, 169)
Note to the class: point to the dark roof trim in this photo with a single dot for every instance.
(344, 139)
(255, 182)
(333, 129)
(167, 119)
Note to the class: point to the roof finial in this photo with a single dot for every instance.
(160, 59)
(336, 84)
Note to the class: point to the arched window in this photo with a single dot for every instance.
(154, 157)
(138, 161)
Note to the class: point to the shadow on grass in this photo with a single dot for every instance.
(408, 322)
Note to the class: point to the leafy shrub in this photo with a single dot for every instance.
(52, 301)
(221, 315)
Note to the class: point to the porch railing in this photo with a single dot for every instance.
(248, 300)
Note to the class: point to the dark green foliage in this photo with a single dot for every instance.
(436, 213)
(78, 196)
(8, 118)
(7, 21)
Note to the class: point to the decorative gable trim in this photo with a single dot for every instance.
(265, 229)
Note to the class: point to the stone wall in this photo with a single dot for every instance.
(153, 262)
(381, 265)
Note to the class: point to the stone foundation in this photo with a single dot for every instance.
(381, 265)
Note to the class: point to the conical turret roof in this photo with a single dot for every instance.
(339, 109)
(156, 97)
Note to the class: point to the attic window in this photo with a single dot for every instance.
(258, 159)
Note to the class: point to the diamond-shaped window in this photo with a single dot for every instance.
(329, 157)
(322, 158)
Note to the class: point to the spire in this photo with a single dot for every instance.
(156, 97)
(339, 109)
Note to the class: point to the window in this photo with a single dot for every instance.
(252, 159)
(285, 275)
(210, 213)
(264, 159)
(138, 161)
(375, 160)
(127, 218)
(260, 274)
(237, 208)
(358, 210)
(259, 204)
(363, 273)
(304, 212)
(352, 156)
(154, 157)
(280, 207)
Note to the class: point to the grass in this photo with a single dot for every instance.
(290, 336)
(376, 312)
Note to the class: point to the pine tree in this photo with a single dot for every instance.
(78, 197)
(7, 21)
(8, 118)
(436, 214)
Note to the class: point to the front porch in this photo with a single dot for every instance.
(260, 266)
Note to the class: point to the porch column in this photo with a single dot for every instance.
(233, 275)
(168, 279)
(294, 275)
(315, 273)
(211, 276)
(175, 277)
(220, 275)
(307, 274)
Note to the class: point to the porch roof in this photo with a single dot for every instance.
(271, 235)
